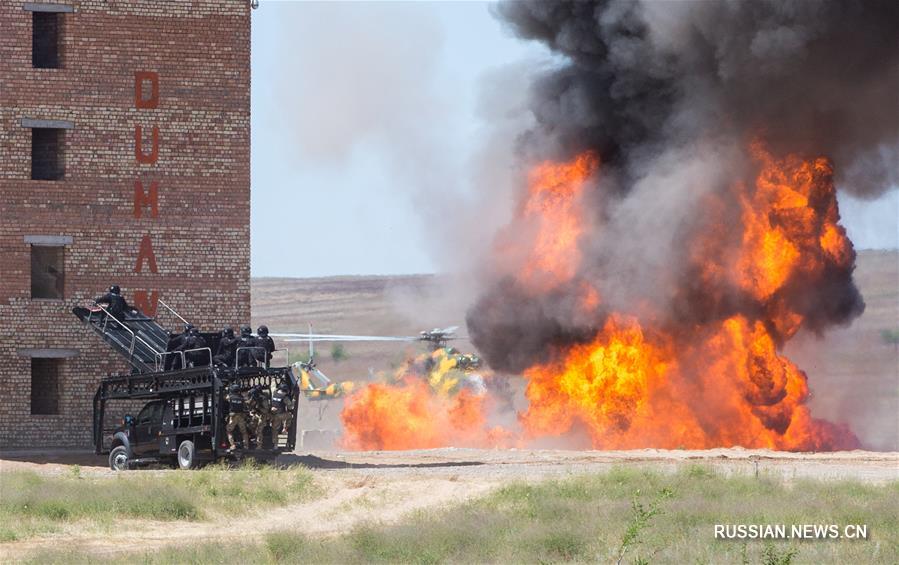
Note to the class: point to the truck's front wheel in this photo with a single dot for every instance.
(118, 458)
(187, 455)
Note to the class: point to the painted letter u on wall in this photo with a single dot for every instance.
(153, 155)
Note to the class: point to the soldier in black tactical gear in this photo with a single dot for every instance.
(263, 340)
(175, 344)
(190, 344)
(224, 355)
(237, 417)
(282, 406)
(245, 353)
(116, 304)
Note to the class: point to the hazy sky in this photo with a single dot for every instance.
(366, 119)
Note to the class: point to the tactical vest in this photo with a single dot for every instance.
(236, 404)
(278, 404)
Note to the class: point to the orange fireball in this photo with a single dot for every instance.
(714, 378)
(629, 391)
(411, 415)
(719, 383)
(553, 208)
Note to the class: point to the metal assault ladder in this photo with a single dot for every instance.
(136, 337)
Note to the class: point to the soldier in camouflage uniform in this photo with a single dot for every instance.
(237, 417)
(282, 406)
(260, 412)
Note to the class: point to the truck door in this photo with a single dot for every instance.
(167, 439)
(146, 429)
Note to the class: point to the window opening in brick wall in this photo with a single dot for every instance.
(48, 154)
(45, 385)
(47, 271)
(46, 36)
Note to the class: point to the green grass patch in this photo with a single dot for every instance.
(32, 504)
(634, 515)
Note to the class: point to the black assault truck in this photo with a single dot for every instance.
(184, 411)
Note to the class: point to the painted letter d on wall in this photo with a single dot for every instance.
(153, 100)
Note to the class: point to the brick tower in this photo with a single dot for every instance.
(124, 159)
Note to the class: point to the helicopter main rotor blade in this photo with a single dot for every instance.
(335, 337)
(444, 335)
(353, 338)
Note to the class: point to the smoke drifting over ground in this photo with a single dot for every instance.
(669, 95)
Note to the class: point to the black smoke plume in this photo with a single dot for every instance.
(819, 77)
(668, 94)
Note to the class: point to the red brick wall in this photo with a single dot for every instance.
(199, 239)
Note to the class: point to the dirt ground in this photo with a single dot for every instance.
(361, 487)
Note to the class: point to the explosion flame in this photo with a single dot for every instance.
(678, 221)
(428, 402)
(649, 383)
(716, 382)
(554, 206)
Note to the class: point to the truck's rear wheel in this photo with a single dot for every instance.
(118, 458)
(187, 455)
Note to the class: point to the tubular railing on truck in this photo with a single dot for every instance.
(155, 384)
(255, 348)
(187, 412)
(160, 357)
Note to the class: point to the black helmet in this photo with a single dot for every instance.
(234, 387)
(228, 331)
(246, 331)
(114, 289)
(187, 327)
(262, 330)
(283, 386)
(193, 331)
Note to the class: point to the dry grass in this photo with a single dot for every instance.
(32, 504)
(587, 519)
